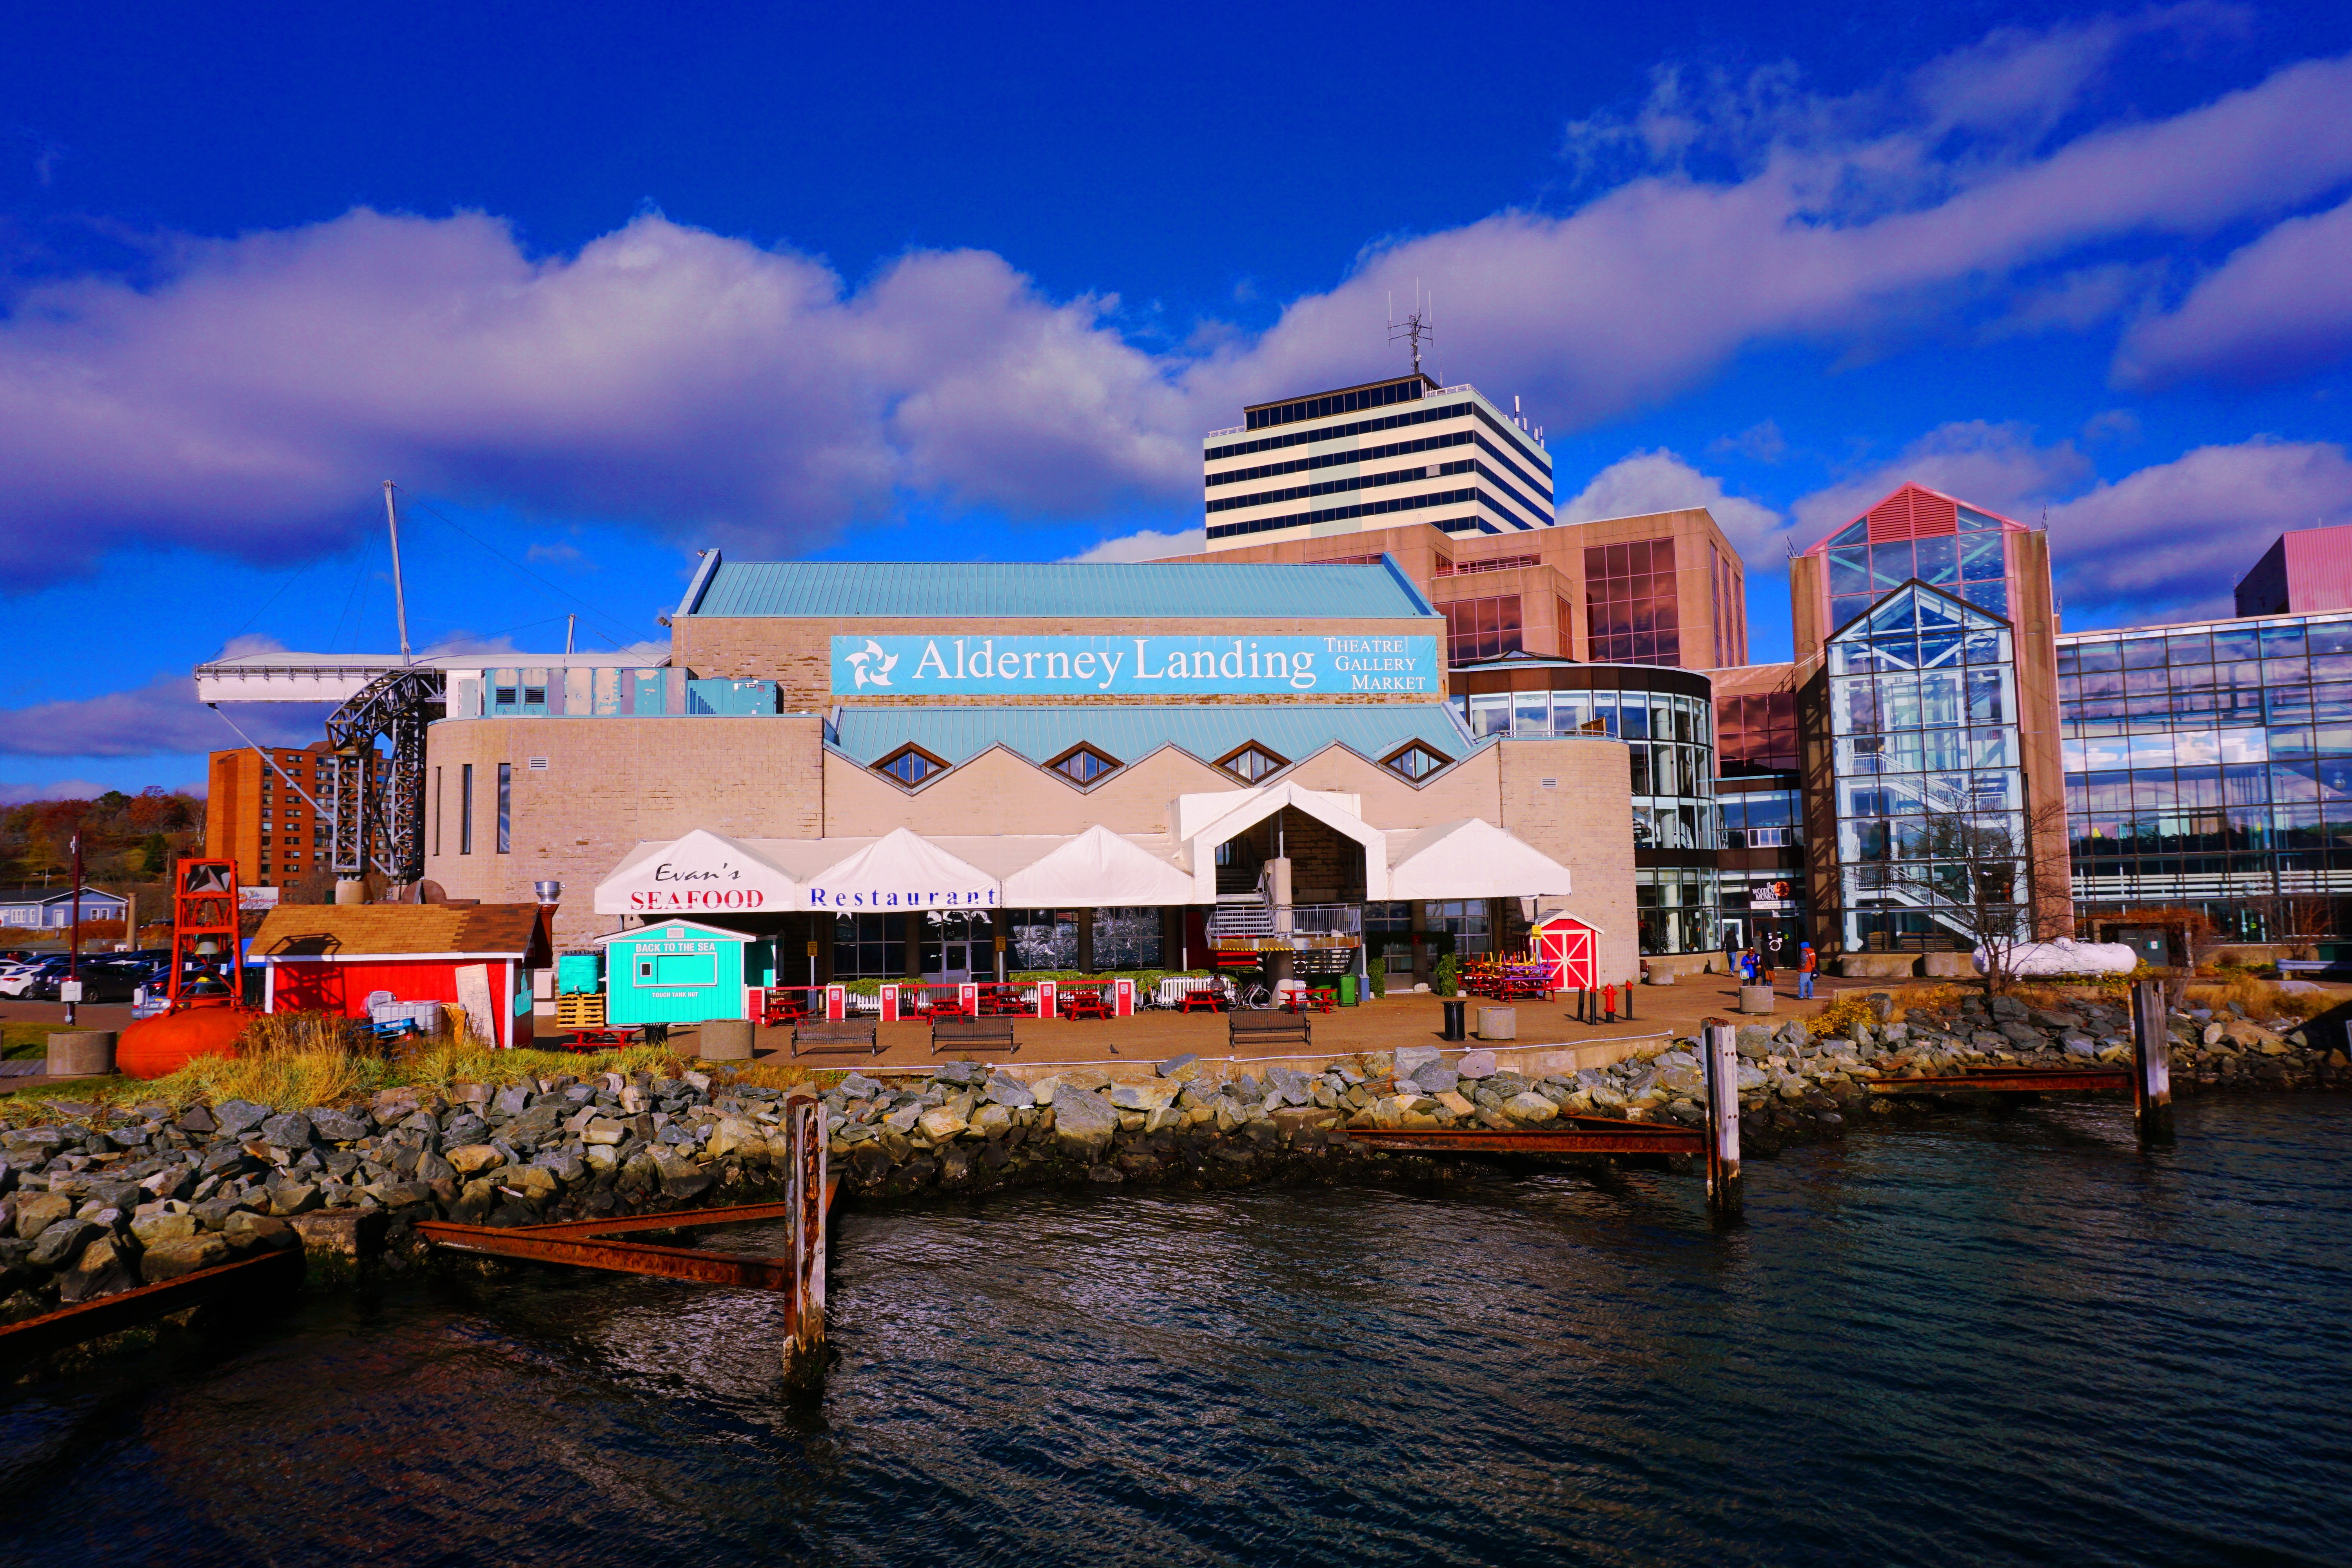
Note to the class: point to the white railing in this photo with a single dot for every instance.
(1228, 430)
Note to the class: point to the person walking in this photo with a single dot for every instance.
(1807, 960)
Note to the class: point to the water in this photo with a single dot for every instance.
(1979, 1340)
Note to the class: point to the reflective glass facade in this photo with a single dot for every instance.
(1630, 609)
(2209, 766)
(1929, 791)
(1967, 555)
(1670, 745)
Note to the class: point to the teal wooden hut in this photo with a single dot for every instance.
(680, 971)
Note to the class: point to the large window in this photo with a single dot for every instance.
(466, 809)
(1465, 921)
(1759, 732)
(505, 806)
(1970, 565)
(868, 947)
(1481, 629)
(1127, 938)
(1629, 601)
(1335, 402)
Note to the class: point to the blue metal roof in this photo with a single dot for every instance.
(926, 589)
(1293, 731)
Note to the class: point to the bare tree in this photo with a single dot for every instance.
(1976, 874)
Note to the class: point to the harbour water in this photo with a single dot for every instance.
(1977, 1339)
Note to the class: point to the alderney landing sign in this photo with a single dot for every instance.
(1132, 666)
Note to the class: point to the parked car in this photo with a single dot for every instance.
(102, 979)
(19, 981)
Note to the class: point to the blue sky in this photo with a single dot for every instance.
(598, 287)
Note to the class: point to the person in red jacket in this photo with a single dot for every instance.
(1807, 962)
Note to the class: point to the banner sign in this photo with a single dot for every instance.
(1133, 667)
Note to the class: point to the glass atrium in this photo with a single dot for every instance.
(1929, 795)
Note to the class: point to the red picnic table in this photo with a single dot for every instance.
(602, 1036)
(1202, 999)
(789, 1004)
(1311, 1001)
(1085, 1002)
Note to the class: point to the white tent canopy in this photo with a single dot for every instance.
(1471, 858)
(703, 872)
(1205, 821)
(1097, 869)
(901, 871)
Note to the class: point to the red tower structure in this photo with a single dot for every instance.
(205, 1016)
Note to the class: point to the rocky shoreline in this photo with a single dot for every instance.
(95, 1200)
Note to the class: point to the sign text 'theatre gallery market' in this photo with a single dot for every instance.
(1131, 665)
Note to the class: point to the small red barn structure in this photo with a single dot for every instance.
(329, 958)
(1564, 946)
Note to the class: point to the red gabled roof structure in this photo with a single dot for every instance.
(1908, 511)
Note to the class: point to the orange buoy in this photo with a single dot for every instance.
(155, 1047)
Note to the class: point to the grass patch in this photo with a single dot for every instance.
(2261, 998)
(25, 1039)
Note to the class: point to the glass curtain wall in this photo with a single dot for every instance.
(1971, 565)
(1930, 797)
(1670, 745)
(2209, 767)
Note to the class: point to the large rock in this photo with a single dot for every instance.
(1082, 1123)
(603, 1132)
(1435, 1078)
(347, 1235)
(1152, 1094)
(1410, 1059)
(1006, 1090)
(1528, 1106)
(35, 1212)
(940, 1124)
(153, 1230)
(735, 1133)
(61, 1242)
(291, 1131)
(250, 1231)
(535, 1182)
(1183, 1069)
(293, 1198)
(472, 1159)
(239, 1117)
(1754, 1041)
(1295, 1087)
(108, 1264)
(1476, 1064)
(172, 1258)
(337, 1128)
(680, 1177)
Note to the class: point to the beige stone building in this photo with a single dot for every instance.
(1267, 750)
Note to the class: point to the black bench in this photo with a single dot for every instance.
(834, 1037)
(973, 1035)
(1267, 1029)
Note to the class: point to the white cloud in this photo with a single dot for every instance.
(1661, 481)
(1997, 466)
(14, 792)
(1147, 545)
(2281, 306)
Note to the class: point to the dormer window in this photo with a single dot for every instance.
(1252, 763)
(910, 764)
(1083, 764)
(1415, 761)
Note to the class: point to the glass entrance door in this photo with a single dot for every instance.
(957, 946)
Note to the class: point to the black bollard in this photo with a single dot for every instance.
(1629, 1001)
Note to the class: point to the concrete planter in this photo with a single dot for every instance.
(81, 1053)
(1948, 965)
(1756, 998)
(725, 1040)
(1499, 1022)
(1878, 965)
(1667, 968)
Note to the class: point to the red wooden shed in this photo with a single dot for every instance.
(329, 958)
(1564, 945)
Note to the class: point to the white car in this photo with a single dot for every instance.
(14, 979)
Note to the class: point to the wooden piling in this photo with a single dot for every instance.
(1719, 1045)
(2152, 1061)
(804, 1327)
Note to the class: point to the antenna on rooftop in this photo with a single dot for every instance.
(1418, 327)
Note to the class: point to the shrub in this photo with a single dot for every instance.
(1445, 978)
(1376, 973)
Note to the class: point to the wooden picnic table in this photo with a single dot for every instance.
(1085, 1002)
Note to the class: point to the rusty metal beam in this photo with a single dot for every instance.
(280, 1269)
(1644, 1138)
(619, 1257)
(2010, 1080)
(676, 1220)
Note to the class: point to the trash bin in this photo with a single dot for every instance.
(1347, 991)
(1454, 1027)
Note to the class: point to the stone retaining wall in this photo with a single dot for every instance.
(96, 1200)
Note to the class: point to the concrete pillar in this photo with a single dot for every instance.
(1419, 917)
(1086, 942)
(913, 930)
